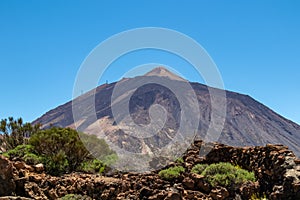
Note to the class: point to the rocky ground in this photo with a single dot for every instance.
(276, 168)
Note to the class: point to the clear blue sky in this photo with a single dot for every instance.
(255, 44)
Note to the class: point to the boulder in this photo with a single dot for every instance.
(219, 193)
(7, 184)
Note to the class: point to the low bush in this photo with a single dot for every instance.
(226, 175)
(199, 168)
(179, 160)
(32, 159)
(171, 173)
(61, 148)
(57, 164)
(63, 151)
(20, 151)
(25, 153)
(93, 166)
(110, 159)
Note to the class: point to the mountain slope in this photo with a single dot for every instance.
(248, 122)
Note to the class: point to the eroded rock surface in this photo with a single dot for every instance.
(276, 168)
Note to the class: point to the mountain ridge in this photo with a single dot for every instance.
(248, 122)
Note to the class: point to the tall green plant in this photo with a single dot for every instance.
(15, 132)
(63, 150)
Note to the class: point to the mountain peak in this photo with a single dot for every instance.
(163, 72)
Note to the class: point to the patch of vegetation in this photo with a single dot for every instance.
(14, 132)
(224, 174)
(110, 159)
(98, 147)
(25, 153)
(93, 166)
(199, 168)
(179, 160)
(171, 173)
(57, 163)
(61, 150)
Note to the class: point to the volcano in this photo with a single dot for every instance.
(247, 122)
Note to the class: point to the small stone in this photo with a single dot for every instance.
(173, 196)
(188, 183)
(29, 168)
(52, 194)
(36, 179)
(203, 186)
(145, 192)
(161, 195)
(219, 193)
(39, 167)
(19, 165)
(197, 177)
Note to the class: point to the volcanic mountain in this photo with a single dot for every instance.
(247, 122)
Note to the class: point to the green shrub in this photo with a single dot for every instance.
(171, 173)
(93, 166)
(199, 168)
(98, 147)
(59, 144)
(32, 159)
(56, 164)
(5, 154)
(244, 175)
(25, 153)
(20, 151)
(179, 160)
(226, 175)
(98, 166)
(110, 159)
(63, 150)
